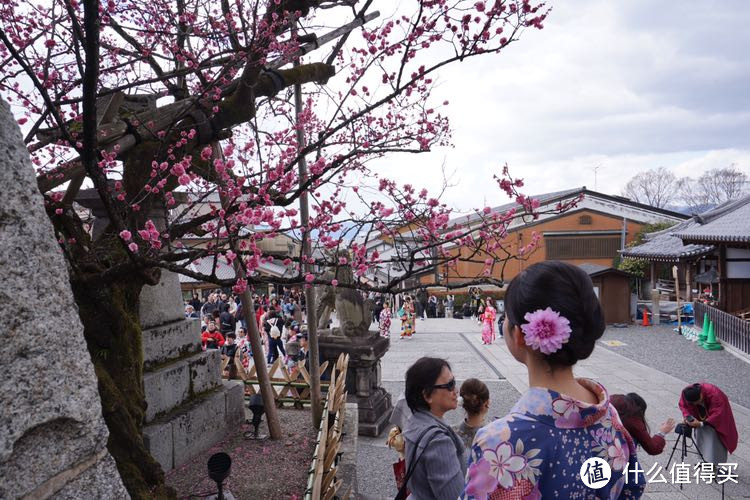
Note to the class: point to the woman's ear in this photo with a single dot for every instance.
(517, 336)
(426, 396)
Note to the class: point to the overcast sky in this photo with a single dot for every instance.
(624, 85)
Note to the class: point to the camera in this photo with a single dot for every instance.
(684, 430)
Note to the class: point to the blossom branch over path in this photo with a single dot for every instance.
(180, 115)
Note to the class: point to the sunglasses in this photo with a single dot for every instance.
(448, 386)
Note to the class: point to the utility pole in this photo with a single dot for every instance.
(596, 171)
(312, 320)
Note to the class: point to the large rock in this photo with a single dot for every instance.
(52, 434)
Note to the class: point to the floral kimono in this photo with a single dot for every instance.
(488, 325)
(538, 449)
(385, 322)
(407, 320)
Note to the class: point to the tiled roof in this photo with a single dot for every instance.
(542, 198)
(225, 271)
(729, 223)
(665, 246)
(594, 269)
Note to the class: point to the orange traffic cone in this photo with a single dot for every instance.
(645, 318)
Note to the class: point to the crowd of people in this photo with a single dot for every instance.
(553, 320)
(279, 318)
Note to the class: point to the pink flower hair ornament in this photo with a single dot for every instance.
(545, 330)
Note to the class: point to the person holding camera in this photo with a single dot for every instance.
(631, 408)
(707, 410)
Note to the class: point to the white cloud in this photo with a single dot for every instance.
(629, 86)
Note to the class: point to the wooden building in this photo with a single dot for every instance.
(612, 286)
(593, 232)
(727, 229)
(713, 246)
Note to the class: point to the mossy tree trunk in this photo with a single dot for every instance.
(109, 314)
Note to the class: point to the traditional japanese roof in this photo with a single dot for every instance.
(560, 196)
(225, 271)
(595, 269)
(665, 246)
(710, 276)
(727, 223)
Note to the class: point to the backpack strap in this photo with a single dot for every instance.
(402, 492)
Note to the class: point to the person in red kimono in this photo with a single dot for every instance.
(706, 409)
(631, 408)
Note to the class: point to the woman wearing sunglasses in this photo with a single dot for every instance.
(435, 467)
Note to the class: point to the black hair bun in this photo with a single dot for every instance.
(566, 289)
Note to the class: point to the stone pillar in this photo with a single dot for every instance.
(363, 380)
(189, 407)
(53, 436)
(655, 297)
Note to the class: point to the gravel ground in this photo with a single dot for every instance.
(663, 349)
(375, 459)
(260, 469)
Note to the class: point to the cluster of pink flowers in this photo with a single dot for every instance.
(150, 234)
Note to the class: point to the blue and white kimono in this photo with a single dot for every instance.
(537, 450)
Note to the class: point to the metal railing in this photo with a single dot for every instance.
(729, 329)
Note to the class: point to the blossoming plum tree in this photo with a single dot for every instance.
(181, 116)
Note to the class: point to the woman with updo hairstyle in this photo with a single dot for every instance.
(543, 447)
(476, 402)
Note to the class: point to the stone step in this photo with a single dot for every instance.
(171, 385)
(194, 427)
(170, 341)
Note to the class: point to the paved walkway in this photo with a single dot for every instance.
(459, 341)
(661, 392)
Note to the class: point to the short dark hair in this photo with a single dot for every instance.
(231, 336)
(420, 377)
(566, 289)
(225, 307)
(692, 393)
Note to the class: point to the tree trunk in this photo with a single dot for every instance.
(112, 329)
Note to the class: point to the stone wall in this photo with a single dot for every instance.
(190, 407)
(52, 434)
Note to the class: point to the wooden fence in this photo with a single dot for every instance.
(729, 329)
(321, 482)
(289, 386)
